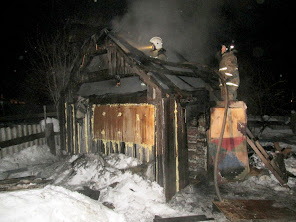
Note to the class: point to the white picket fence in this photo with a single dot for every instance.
(18, 131)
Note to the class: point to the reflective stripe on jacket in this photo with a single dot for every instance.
(229, 69)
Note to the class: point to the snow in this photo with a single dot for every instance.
(55, 122)
(129, 194)
(136, 198)
(27, 158)
(53, 204)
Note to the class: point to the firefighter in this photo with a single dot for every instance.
(228, 69)
(158, 51)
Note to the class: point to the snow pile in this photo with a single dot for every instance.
(121, 161)
(133, 197)
(130, 194)
(85, 170)
(53, 204)
(27, 157)
(56, 126)
(137, 199)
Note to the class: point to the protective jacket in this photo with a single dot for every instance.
(159, 54)
(229, 71)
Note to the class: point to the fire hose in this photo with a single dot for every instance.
(226, 105)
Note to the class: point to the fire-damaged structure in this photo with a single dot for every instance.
(120, 100)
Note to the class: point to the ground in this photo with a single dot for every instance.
(94, 187)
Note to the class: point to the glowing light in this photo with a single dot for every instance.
(145, 47)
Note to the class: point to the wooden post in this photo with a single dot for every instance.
(49, 135)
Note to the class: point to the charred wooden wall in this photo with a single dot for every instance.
(161, 140)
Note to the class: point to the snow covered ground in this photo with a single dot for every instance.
(121, 194)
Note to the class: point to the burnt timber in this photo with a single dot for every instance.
(115, 116)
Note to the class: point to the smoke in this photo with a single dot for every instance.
(186, 26)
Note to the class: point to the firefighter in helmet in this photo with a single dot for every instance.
(157, 51)
(228, 69)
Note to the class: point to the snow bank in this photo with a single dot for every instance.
(53, 204)
(27, 157)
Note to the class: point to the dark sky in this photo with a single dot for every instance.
(257, 26)
(22, 21)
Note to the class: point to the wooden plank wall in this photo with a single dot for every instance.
(131, 123)
(171, 143)
(79, 138)
(19, 131)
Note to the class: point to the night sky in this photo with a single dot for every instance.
(252, 23)
(22, 23)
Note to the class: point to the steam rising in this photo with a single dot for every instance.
(186, 26)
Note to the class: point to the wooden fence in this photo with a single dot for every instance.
(16, 137)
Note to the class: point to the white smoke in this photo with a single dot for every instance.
(186, 26)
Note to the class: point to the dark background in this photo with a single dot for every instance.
(260, 29)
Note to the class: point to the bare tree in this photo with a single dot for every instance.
(52, 64)
(264, 93)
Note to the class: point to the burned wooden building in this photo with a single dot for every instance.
(120, 100)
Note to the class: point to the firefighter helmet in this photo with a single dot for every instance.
(157, 42)
(230, 46)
